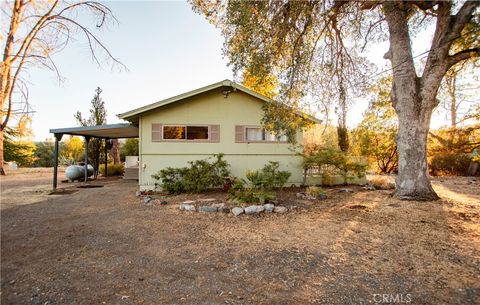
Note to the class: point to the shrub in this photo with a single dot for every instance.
(112, 169)
(259, 184)
(314, 191)
(331, 161)
(198, 177)
(450, 164)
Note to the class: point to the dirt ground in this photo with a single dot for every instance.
(104, 246)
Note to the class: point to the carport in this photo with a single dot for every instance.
(106, 132)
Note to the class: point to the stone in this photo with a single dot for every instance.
(207, 209)
(254, 209)
(237, 211)
(300, 195)
(322, 196)
(189, 202)
(345, 191)
(187, 207)
(369, 188)
(147, 199)
(278, 209)
(269, 207)
(138, 193)
(221, 207)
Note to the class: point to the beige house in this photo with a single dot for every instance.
(220, 118)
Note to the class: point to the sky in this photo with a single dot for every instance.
(167, 48)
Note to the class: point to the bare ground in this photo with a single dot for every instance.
(103, 246)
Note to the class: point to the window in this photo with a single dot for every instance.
(259, 134)
(190, 133)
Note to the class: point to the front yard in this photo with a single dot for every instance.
(104, 246)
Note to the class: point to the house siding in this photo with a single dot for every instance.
(212, 108)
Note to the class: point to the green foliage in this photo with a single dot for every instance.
(44, 154)
(98, 116)
(200, 176)
(331, 161)
(450, 150)
(112, 169)
(259, 186)
(129, 148)
(21, 152)
(73, 150)
(375, 137)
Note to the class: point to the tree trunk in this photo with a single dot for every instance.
(2, 170)
(115, 151)
(413, 182)
(413, 99)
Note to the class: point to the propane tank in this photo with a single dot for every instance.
(76, 172)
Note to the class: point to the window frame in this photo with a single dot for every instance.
(264, 135)
(186, 133)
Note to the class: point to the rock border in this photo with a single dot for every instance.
(215, 206)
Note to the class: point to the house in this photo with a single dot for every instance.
(220, 118)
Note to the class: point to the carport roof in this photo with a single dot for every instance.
(110, 131)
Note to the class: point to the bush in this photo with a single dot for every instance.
(112, 169)
(200, 176)
(331, 161)
(258, 188)
(450, 164)
(381, 183)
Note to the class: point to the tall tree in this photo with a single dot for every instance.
(35, 32)
(98, 116)
(293, 38)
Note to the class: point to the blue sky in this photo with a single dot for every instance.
(168, 50)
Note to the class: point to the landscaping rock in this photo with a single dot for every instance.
(207, 209)
(189, 202)
(138, 193)
(221, 207)
(345, 191)
(147, 199)
(237, 211)
(369, 188)
(322, 196)
(254, 209)
(300, 195)
(269, 207)
(187, 207)
(278, 209)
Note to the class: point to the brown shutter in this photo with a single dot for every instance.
(214, 133)
(156, 132)
(239, 134)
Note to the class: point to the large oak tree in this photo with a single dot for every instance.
(294, 39)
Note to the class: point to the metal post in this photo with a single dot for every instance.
(86, 157)
(58, 137)
(106, 158)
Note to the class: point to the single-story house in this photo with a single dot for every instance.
(220, 118)
(223, 117)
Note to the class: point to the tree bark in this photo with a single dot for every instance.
(2, 170)
(115, 151)
(413, 106)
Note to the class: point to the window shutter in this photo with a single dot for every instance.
(156, 132)
(239, 134)
(214, 133)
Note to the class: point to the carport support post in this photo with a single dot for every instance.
(87, 138)
(58, 137)
(106, 158)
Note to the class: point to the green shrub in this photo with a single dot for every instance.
(450, 164)
(200, 176)
(112, 169)
(259, 184)
(331, 162)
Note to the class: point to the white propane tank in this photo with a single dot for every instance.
(75, 172)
